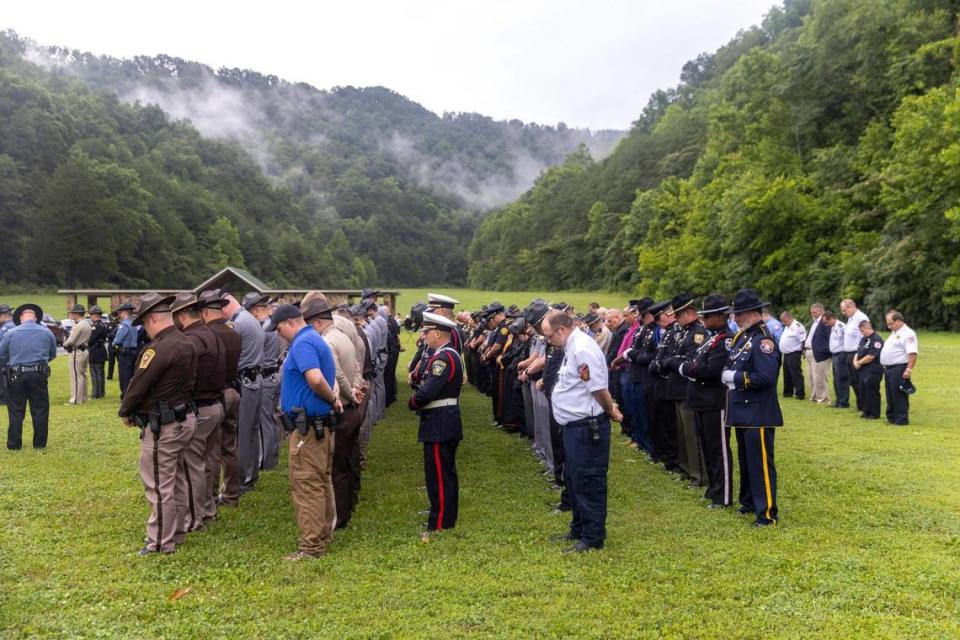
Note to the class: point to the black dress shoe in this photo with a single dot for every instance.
(146, 552)
(581, 547)
(714, 505)
(759, 524)
(562, 537)
(744, 511)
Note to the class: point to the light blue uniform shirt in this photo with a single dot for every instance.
(27, 343)
(126, 335)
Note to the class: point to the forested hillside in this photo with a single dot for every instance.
(815, 156)
(365, 175)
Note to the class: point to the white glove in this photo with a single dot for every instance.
(727, 377)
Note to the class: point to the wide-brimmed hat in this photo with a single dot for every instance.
(642, 305)
(96, 311)
(151, 303)
(713, 304)
(126, 306)
(5, 308)
(78, 308)
(747, 300)
(659, 308)
(253, 299)
(183, 300)
(318, 307)
(535, 313)
(211, 299)
(682, 301)
(494, 308)
(589, 318)
(369, 293)
(29, 306)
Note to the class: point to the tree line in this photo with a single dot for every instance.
(815, 156)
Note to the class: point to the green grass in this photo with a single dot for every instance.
(868, 547)
(472, 299)
(51, 303)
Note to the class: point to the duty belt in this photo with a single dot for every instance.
(269, 371)
(446, 402)
(207, 403)
(29, 368)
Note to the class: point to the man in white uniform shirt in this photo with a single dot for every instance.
(791, 347)
(851, 342)
(898, 357)
(583, 407)
(841, 375)
(817, 354)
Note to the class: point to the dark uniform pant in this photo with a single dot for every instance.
(898, 403)
(126, 365)
(345, 461)
(559, 461)
(667, 428)
(869, 392)
(248, 432)
(587, 462)
(443, 487)
(28, 387)
(390, 377)
(97, 379)
(758, 473)
(854, 379)
(793, 375)
(841, 379)
(635, 406)
(714, 438)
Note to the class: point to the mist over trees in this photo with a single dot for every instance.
(304, 187)
(816, 156)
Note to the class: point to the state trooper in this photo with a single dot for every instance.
(753, 407)
(98, 352)
(437, 400)
(6, 323)
(158, 401)
(126, 345)
(258, 305)
(76, 345)
(25, 352)
(249, 371)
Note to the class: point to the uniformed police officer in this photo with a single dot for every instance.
(258, 305)
(706, 397)
(753, 406)
(867, 363)
(26, 351)
(691, 336)
(664, 420)
(437, 400)
(583, 406)
(76, 345)
(222, 444)
(126, 345)
(98, 352)
(158, 401)
(6, 323)
(207, 405)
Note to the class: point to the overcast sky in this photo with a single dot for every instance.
(588, 63)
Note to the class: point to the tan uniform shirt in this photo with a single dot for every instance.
(80, 334)
(348, 367)
(351, 331)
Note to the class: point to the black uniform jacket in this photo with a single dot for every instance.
(705, 391)
(443, 379)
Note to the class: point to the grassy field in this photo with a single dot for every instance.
(868, 546)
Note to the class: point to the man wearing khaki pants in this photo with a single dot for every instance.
(76, 346)
(817, 354)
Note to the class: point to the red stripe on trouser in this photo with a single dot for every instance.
(436, 460)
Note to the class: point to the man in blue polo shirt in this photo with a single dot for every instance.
(308, 398)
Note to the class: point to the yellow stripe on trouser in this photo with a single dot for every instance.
(766, 473)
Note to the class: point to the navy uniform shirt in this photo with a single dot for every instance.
(703, 369)
(442, 380)
(755, 361)
(691, 338)
(870, 345)
(28, 343)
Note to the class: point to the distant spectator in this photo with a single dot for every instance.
(773, 325)
(791, 347)
(841, 374)
(818, 356)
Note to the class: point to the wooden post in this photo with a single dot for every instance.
(71, 301)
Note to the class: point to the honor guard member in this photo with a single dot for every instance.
(76, 345)
(25, 353)
(753, 408)
(867, 364)
(6, 323)
(207, 405)
(666, 411)
(249, 371)
(583, 407)
(898, 358)
(158, 400)
(222, 444)
(693, 335)
(437, 400)
(499, 332)
(98, 351)
(394, 347)
(443, 306)
(707, 398)
(307, 396)
(125, 345)
(258, 305)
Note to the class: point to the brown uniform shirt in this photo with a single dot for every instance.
(231, 344)
(166, 370)
(211, 361)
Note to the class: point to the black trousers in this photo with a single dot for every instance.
(854, 379)
(667, 426)
(98, 379)
(793, 375)
(344, 474)
(869, 392)
(390, 377)
(559, 460)
(758, 473)
(126, 365)
(653, 426)
(841, 379)
(714, 438)
(443, 486)
(111, 360)
(29, 388)
(898, 403)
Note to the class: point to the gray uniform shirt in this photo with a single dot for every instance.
(271, 347)
(251, 338)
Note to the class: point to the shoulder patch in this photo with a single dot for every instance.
(504, 331)
(584, 371)
(766, 345)
(877, 345)
(728, 343)
(438, 367)
(147, 358)
(698, 338)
